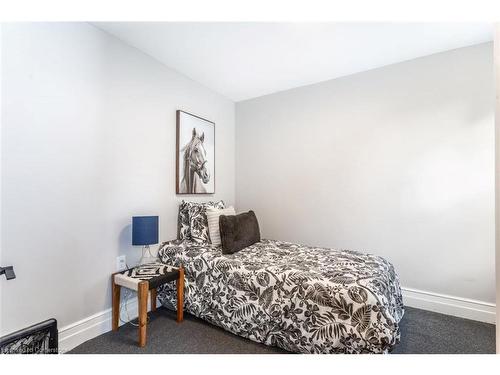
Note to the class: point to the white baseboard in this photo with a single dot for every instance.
(450, 305)
(77, 333)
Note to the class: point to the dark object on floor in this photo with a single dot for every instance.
(40, 338)
(8, 271)
(238, 231)
(421, 332)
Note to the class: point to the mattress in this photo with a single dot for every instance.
(302, 299)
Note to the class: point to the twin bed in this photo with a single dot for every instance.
(302, 299)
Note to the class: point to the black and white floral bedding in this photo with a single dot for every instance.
(192, 220)
(302, 299)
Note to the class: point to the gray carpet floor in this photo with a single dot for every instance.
(421, 332)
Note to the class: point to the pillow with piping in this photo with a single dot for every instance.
(238, 231)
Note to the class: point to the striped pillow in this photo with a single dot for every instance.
(213, 222)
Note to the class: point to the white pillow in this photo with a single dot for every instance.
(213, 222)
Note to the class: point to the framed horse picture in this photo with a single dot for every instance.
(195, 161)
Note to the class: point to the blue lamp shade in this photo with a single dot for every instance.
(144, 230)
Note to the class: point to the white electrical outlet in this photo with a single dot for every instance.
(121, 263)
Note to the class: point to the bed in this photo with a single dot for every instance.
(302, 299)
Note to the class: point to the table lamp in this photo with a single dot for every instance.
(145, 233)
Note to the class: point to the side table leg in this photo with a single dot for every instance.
(115, 304)
(180, 296)
(153, 299)
(143, 311)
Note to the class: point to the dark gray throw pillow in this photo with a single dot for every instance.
(238, 231)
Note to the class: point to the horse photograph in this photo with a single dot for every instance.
(195, 164)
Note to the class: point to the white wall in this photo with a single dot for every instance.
(497, 177)
(88, 141)
(1, 127)
(397, 161)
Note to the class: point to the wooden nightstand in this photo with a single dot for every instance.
(144, 279)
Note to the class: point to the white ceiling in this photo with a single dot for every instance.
(246, 60)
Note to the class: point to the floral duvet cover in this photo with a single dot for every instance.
(302, 299)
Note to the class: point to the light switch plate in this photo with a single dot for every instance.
(121, 263)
